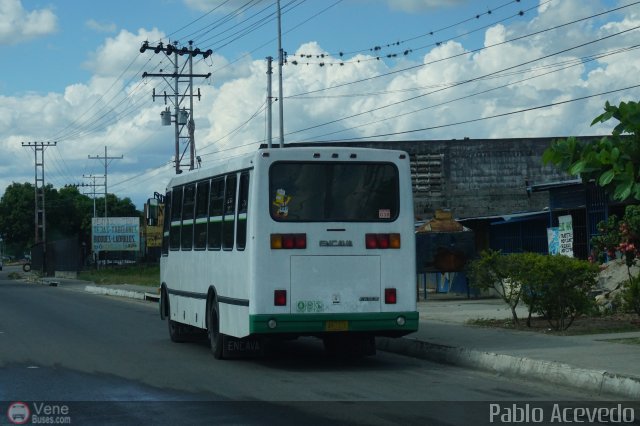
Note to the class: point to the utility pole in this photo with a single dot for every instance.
(182, 116)
(269, 97)
(280, 64)
(40, 217)
(106, 161)
(92, 185)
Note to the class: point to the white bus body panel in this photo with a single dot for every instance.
(319, 279)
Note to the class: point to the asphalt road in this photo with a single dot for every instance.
(111, 361)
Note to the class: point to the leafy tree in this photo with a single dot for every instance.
(117, 207)
(495, 271)
(17, 217)
(612, 161)
(68, 214)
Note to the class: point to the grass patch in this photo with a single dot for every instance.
(627, 341)
(15, 276)
(490, 322)
(135, 274)
(620, 323)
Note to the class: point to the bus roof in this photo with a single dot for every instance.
(294, 153)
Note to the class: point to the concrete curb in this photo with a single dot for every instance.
(114, 292)
(599, 381)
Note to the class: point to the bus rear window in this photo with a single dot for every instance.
(333, 192)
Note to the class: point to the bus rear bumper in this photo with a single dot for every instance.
(391, 324)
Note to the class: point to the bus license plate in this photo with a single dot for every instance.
(336, 326)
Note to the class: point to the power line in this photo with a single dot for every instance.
(571, 64)
(405, 132)
(106, 160)
(377, 50)
(463, 53)
(466, 81)
(274, 39)
(242, 145)
(197, 19)
(182, 117)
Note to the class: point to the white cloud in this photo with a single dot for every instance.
(422, 5)
(122, 115)
(101, 27)
(18, 25)
(117, 53)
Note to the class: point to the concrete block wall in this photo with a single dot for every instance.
(477, 177)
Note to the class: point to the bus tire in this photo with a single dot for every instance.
(216, 339)
(164, 304)
(177, 332)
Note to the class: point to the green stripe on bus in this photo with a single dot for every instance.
(316, 323)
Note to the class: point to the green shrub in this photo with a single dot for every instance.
(631, 295)
(565, 290)
(532, 270)
(495, 271)
(556, 287)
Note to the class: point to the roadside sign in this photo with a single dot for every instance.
(115, 234)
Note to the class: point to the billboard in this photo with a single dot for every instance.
(560, 238)
(115, 233)
(565, 229)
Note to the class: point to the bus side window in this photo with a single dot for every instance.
(176, 214)
(188, 207)
(216, 201)
(166, 226)
(202, 213)
(243, 206)
(228, 216)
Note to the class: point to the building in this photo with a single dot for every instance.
(501, 189)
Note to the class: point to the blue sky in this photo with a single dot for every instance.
(71, 72)
(52, 62)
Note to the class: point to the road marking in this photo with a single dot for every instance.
(33, 366)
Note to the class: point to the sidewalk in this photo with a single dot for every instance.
(589, 362)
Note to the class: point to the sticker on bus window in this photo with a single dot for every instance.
(282, 203)
(384, 214)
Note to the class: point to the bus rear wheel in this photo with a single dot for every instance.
(216, 338)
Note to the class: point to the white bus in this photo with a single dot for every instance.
(289, 242)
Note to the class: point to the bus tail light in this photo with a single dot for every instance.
(288, 241)
(382, 241)
(390, 296)
(394, 241)
(280, 297)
